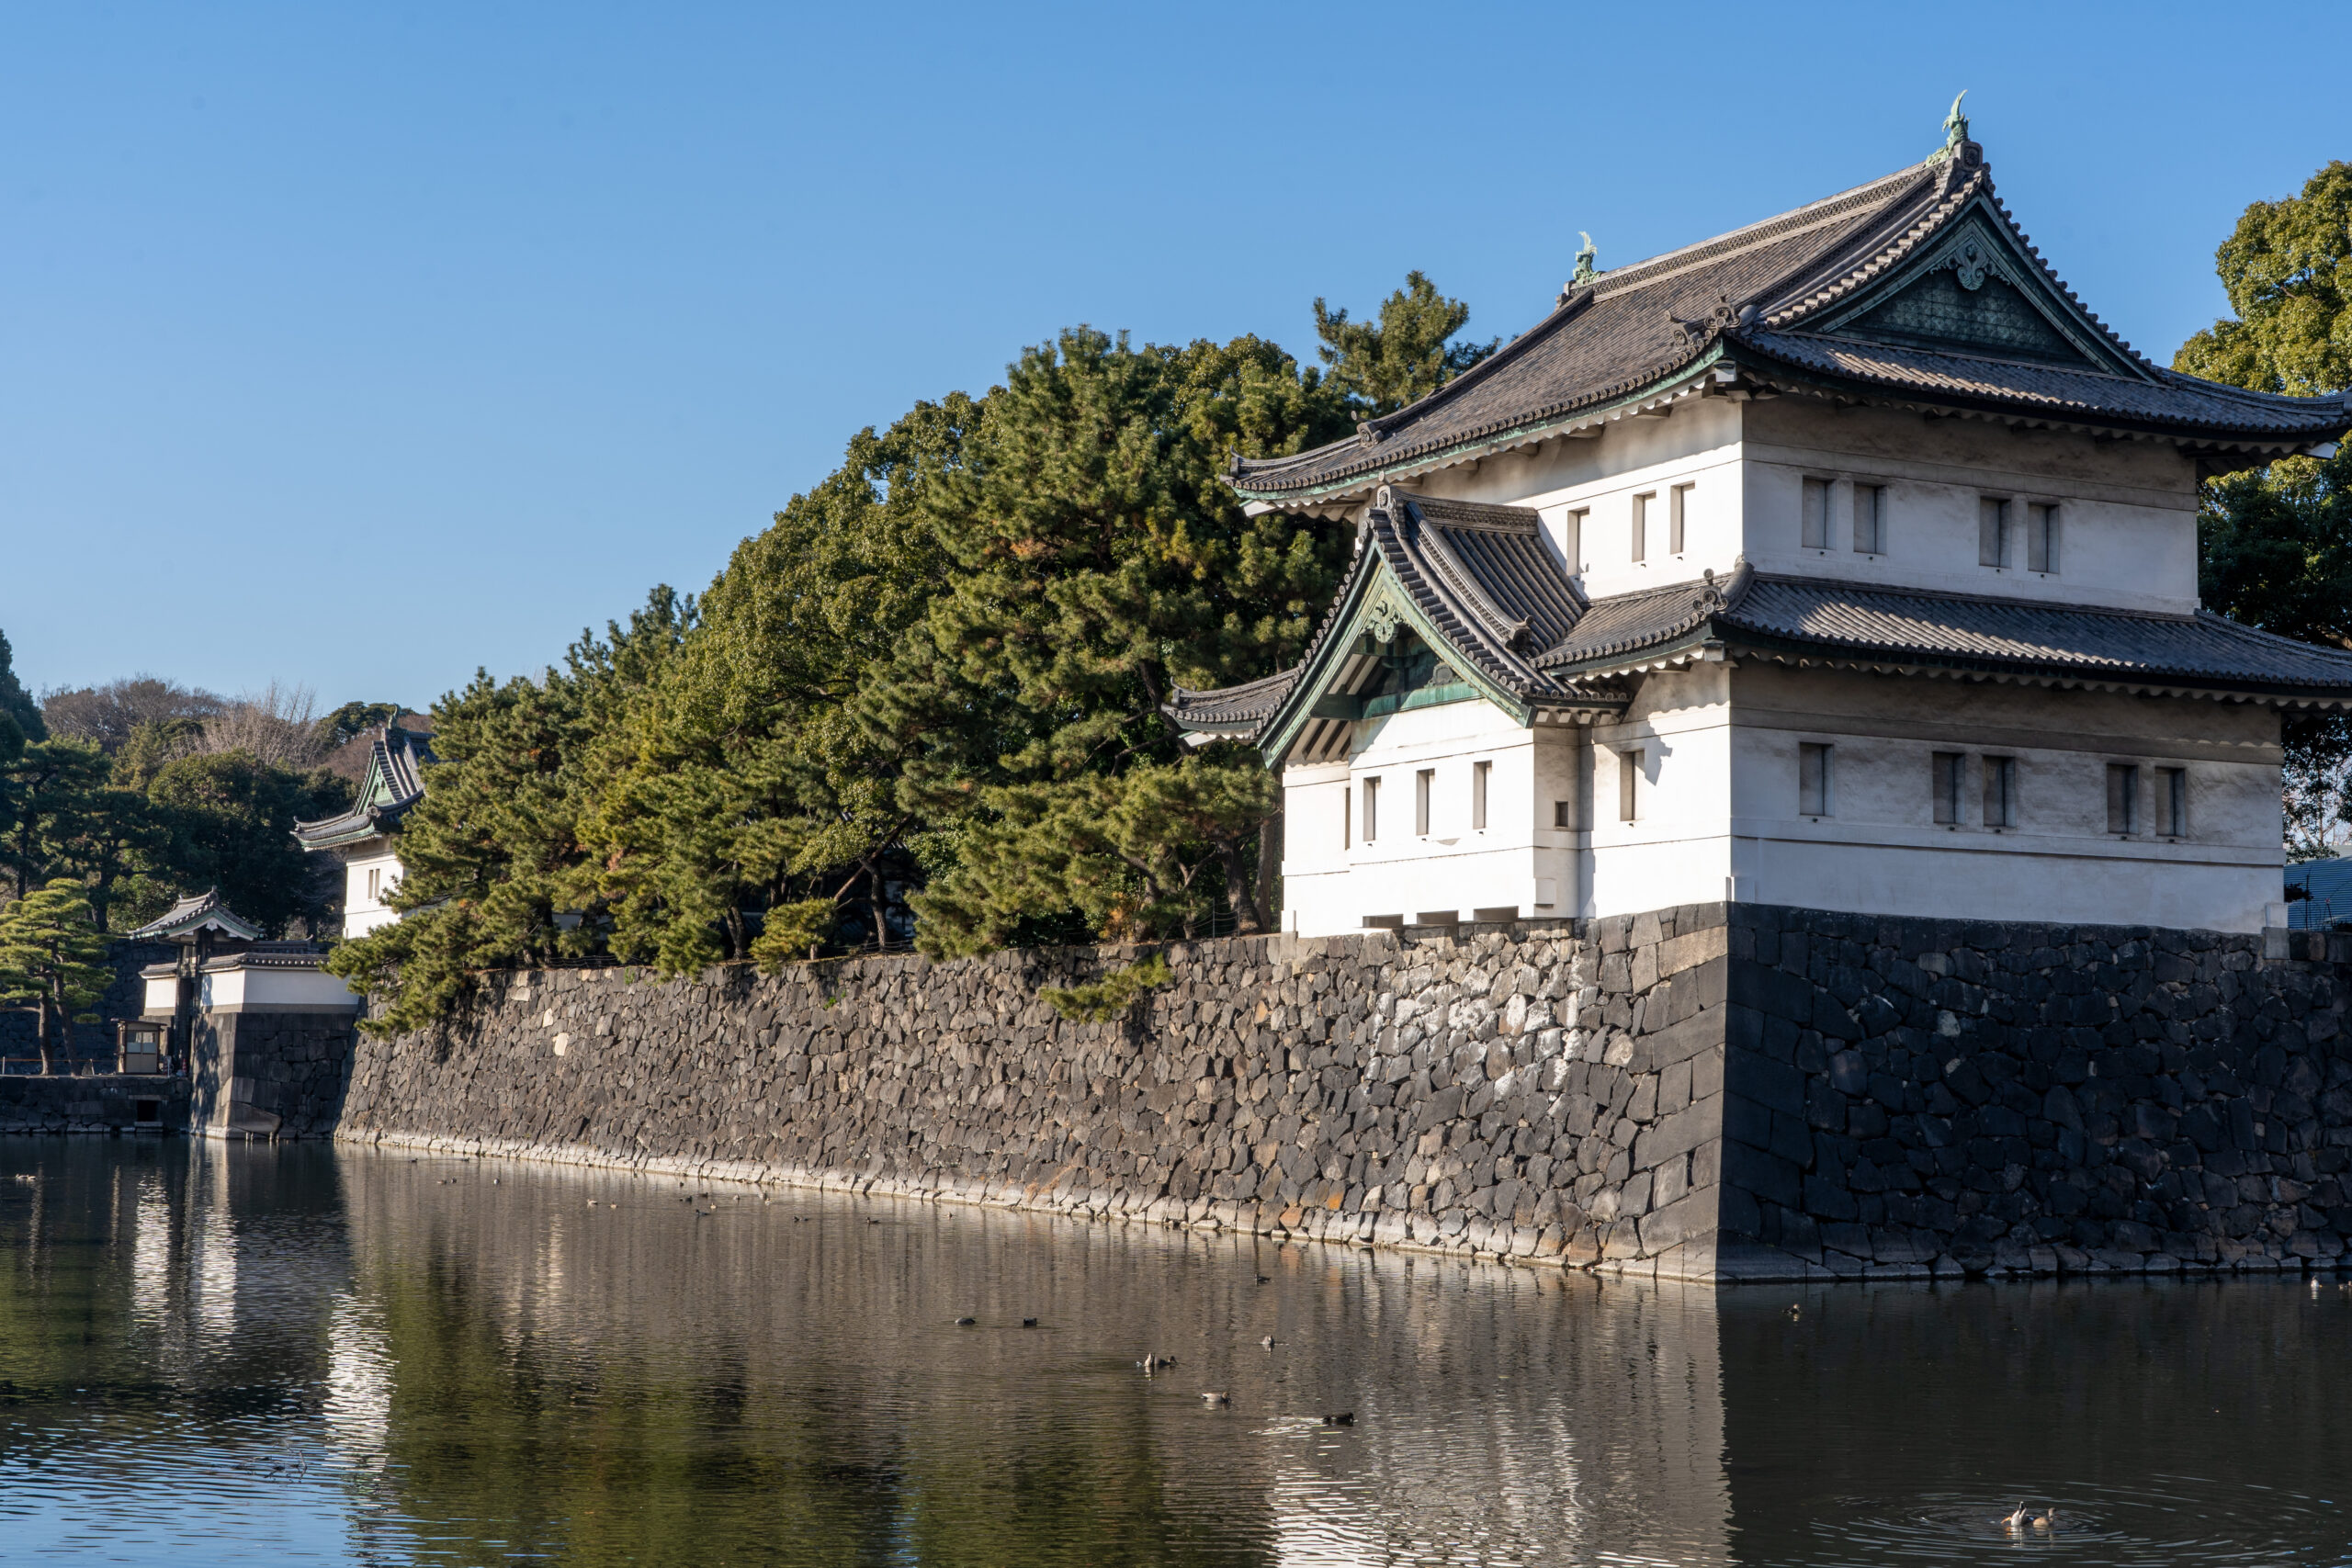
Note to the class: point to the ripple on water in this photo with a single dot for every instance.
(2170, 1520)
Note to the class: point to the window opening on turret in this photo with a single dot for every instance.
(1992, 532)
(1813, 779)
(1424, 786)
(1641, 525)
(1677, 512)
(1816, 514)
(2000, 791)
(1870, 520)
(2040, 537)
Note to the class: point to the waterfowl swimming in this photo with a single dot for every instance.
(2017, 1521)
(1344, 1418)
(1028, 1323)
(966, 1322)
(2046, 1520)
(1216, 1398)
(1268, 1342)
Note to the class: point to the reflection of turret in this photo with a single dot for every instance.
(1496, 1410)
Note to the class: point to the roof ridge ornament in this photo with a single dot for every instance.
(1955, 130)
(1585, 271)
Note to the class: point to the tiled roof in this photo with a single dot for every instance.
(1481, 577)
(393, 785)
(1231, 708)
(1760, 296)
(1957, 630)
(194, 913)
(2166, 399)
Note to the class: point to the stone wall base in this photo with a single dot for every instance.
(1715, 1093)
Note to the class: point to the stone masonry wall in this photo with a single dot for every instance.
(1709, 1092)
(1534, 1093)
(94, 1103)
(1909, 1095)
(271, 1074)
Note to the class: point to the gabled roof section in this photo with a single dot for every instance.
(1808, 618)
(205, 911)
(394, 782)
(1918, 288)
(1477, 583)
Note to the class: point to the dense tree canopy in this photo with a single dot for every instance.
(1405, 356)
(1100, 564)
(2275, 544)
(2288, 268)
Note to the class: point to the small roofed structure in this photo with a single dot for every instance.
(365, 837)
(197, 1006)
(1846, 561)
(196, 916)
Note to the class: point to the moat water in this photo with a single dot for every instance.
(301, 1355)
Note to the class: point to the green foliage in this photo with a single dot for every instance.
(1100, 1002)
(230, 821)
(16, 703)
(2274, 545)
(494, 854)
(352, 721)
(740, 783)
(1098, 563)
(52, 955)
(1407, 355)
(2288, 268)
(45, 792)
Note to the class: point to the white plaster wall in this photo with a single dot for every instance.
(275, 988)
(1698, 444)
(2127, 510)
(1677, 850)
(162, 995)
(1331, 885)
(1880, 851)
(361, 913)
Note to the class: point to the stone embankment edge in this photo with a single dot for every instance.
(1199, 1214)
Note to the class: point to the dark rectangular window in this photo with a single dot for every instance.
(1560, 818)
(1992, 532)
(1870, 520)
(1815, 514)
(2000, 791)
(1951, 778)
(1813, 779)
(1347, 818)
(1572, 538)
(2122, 798)
(1478, 771)
(1370, 809)
(1678, 511)
(2041, 538)
(1642, 526)
(1424, 785)
(2172, 802)
(1628, 782)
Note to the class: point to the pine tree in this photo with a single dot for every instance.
(14, 701)
(747, 815)
(53, 956)
(1100, 563)
(493, 855)
(2275, 544)
(1407, 355)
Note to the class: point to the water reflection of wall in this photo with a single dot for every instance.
(2209, 1410)
(794, 1371)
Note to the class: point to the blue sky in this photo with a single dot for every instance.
(360, 346)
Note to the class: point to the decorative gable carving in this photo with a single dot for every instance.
(1974, 293)
(1940, 310)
